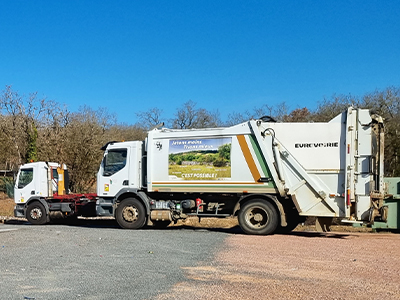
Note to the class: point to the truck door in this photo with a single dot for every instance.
(25, 185)
(114, 172)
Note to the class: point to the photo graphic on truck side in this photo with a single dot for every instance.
(200, 159)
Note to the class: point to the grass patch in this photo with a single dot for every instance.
(199, 172)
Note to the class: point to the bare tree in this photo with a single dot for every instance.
(85, 134)
(36, 128)
(298, 115)
(185, 117)
(277, 112)
(386, 103)
(20, 121)
(190, 117)
(330, 108)
(237, 117)
(207, 119)
(383, 102)
(52, 135)
(150, 118)
(122, 132)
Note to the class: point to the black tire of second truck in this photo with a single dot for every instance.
(258, 217)
(36, 213)
(130, 214)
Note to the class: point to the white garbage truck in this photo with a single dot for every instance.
(270, 174)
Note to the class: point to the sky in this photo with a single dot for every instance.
(129, 56)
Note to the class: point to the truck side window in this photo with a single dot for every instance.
(55, 174)
(114, 161)
(25, 177)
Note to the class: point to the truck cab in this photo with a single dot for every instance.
(36, 180)
(36, 184)
(41, 194)
(120, 172)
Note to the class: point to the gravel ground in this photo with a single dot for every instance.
(301, 265)
(97, 260)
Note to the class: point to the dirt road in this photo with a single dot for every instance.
(302, 265)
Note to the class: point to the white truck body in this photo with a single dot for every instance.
(272, 175)
(332, 169)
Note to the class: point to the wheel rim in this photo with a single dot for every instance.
(36, 213)
(130, 213)
(256, 217)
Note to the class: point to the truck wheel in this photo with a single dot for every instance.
(258, 217)
(130, 214)
(36, 213)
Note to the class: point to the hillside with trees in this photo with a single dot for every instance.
(38, 129)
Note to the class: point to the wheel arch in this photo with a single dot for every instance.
(41, 201)
(132, 193)
(37, 199)
(270, 198)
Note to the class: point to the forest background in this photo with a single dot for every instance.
(38, 129)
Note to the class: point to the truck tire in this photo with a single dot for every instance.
(258, 217)
(36, 213)
(130, 214)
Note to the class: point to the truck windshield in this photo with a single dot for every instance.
(25, 177)
(114, 161)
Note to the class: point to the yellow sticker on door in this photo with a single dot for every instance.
(106, 187)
